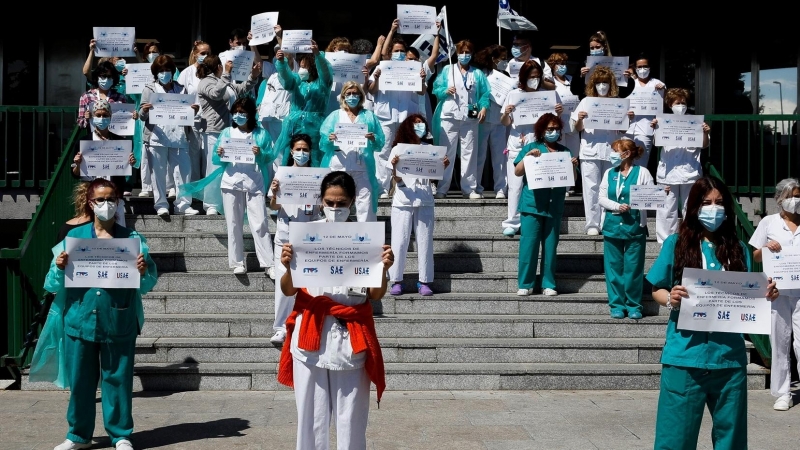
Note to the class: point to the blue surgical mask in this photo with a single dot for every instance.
(711, 217)
(615, 159)
(164, 77)
(240, 119)
(561, 70)
(552, 136)
(420, 129)
(200, 59)
(597, 52)
(101, 123)
(399, 56)
(105, 83)
(120, 65)
(352, 100)
(464, 58)
(301, 157)
(516, 52)
(152, 56)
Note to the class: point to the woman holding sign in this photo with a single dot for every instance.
(358, 161)
(93, 332)
(624, 230)
(700, 368)
(540, 211)
(333, 351)
(644, 85)
(777, 232)
(104, 77)
(492, 134)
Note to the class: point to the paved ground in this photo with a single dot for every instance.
(496, 420)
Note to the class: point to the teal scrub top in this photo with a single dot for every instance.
(625, 225)
(547, 202)
(697, 349)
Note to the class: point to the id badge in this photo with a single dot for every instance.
(308, 210)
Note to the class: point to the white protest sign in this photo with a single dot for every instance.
(299, 185)
(263, 28)
(549, 170)
(296, 41)
(529, 106)
(105, 158)
(783, 266)
(172, 109)
(114, 41)
(239, 151)
(416, 19)
(650, 196)
(102, 263)
(346, 66)
(122, 121)
(607, 113)
(138, 76)
(617, 64)
(400, 76)
(420, 161)
(674, 130)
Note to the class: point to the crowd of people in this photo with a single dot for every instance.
(289, 107)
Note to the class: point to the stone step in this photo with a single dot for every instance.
(416, 377)
(446, 262)
(422, 326)
(496, 282)
(409, 303)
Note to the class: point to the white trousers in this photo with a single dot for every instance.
(785, 319)
(646, 142)
(162, 159)
(492, 137)
(514, 193)
(405, 220)
(284, 304)
(453, 133)
(592, 171)
(322, 395)
(364, 194)
(234, 203)
(667, 219)
(209, 140)
(144, 170)
(382, 166)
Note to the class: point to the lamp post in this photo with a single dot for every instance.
(780, 93)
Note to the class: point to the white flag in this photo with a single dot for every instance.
(509, 19)
(424, 43)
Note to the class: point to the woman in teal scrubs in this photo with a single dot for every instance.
(98, 329)
(701, 368)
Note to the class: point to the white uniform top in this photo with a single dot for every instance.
(188, 79)
(457, 107)
(395, 106)
(679, 165)
(611, 205)
(171, 136)
(595, 144)
(641, 123)
(562, 89)
(346, 158)
(547, 73)
(243, 177)
(774, 228)
(276, 102)
(514, 143)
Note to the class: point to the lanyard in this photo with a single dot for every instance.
(464, 77)
(619, 181)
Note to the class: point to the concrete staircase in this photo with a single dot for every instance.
(209, 329)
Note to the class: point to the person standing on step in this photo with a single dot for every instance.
(492, 134)
(301, 157)
(89, 339)
(189, 80)
(332, 352)
(777, 232)
(698, 368)
(640, 130)
(540, 210)
(624, 230)
(412, 210)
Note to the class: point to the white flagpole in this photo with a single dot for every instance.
(499, 37)
(449, 43)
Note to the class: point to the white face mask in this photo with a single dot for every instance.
(336, 214)
(302, 73)
(602, 89)
(643, 73)
(105, 211)
(791, 205)
(533, 83)
(679, 109)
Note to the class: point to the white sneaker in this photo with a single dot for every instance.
(170, 194)
(124, 445)
(593, 232)
(162, 212)
(146, 194)
(240, 270)
(434, 189)
(212, 211)
(549, 292)
(783, 403)
(475, 196)
(271, 272)
(190, 212)
(524, 292)
(69, 445)
(384, 195)
(278, 338)
(500, 195)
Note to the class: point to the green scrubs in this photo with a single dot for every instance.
(623, 246)
(101, 326)
(699, 369)
(540, 213)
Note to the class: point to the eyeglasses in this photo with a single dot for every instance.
(100, 201)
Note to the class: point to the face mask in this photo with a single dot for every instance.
(533, 83)
(561, 70)
(240, 119)
(602, 89)
(164, 77)
(336, 214)
(301, 157)
(615, 159)
(597, 52)
(120, 65)
(105, 83)
(464, 58)
(303, 73)
(551, 136)
(238, 47)
(105, 211)
(399, 56)
(101, 123)
(679, 109)
(502, 65)
(352, 100)
(419, 128)
(643, 73)
(711, 217)
(516, 52)
(200, 59)
(152, 57)
(791, 205)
